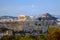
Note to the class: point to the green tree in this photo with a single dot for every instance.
(17, 37)
(7, 37)
(26, 37)
(40, 37)
(53, 34)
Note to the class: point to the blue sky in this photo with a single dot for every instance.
(29, 7)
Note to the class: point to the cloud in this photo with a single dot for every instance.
(34, 10)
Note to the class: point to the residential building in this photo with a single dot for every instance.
(25, 18)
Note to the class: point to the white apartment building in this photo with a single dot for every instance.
(58, 21)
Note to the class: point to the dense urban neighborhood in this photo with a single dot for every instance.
(27, 25)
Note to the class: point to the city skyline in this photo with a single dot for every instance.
(29, 7)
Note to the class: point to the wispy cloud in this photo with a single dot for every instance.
(34, 10)
(28, 10)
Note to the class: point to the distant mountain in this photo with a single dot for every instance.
(47, 16)
(6, 17)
